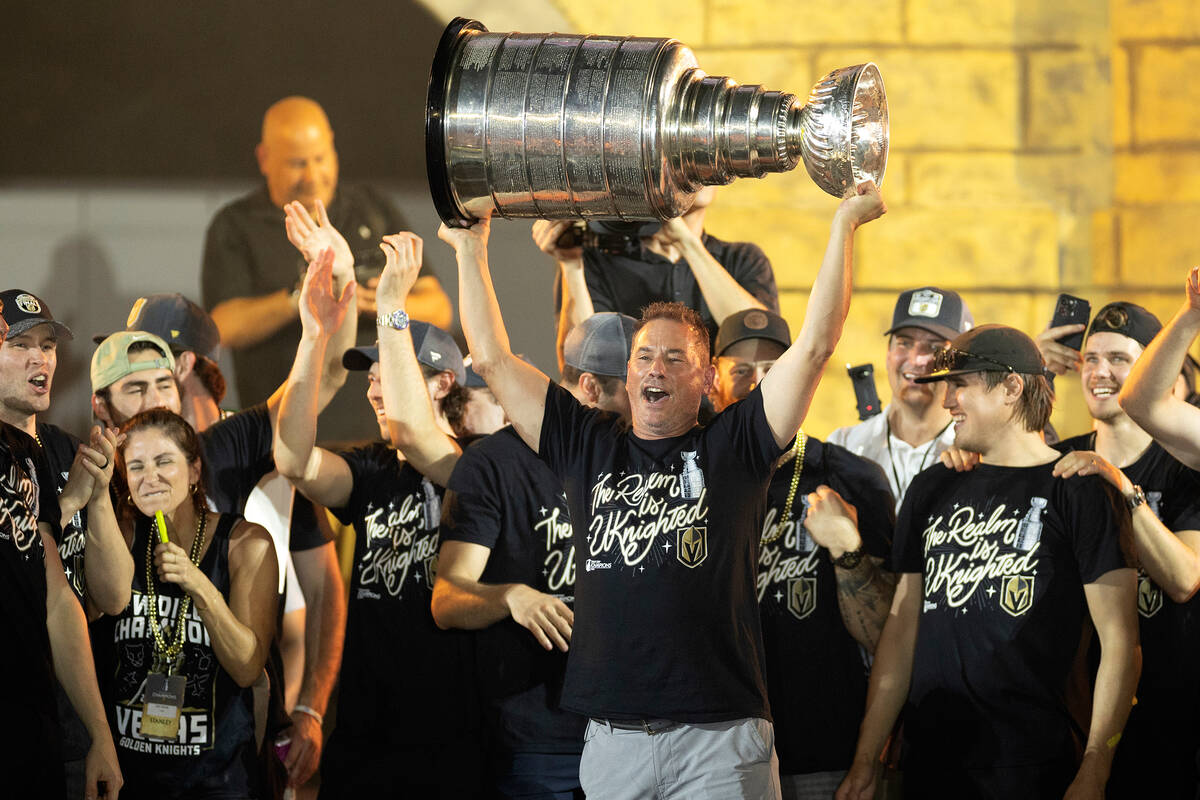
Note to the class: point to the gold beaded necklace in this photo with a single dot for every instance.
(166, 656)
(797, 453)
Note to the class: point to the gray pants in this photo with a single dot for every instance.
(708, 761)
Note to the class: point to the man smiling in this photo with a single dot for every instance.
(667, 653)
(913, 429)
(1164, 500)
(998, 568)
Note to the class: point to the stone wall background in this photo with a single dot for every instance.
(1036, 148)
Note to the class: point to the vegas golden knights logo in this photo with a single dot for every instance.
(802, 596)
(1016, 594)
(431, 569)
(691, 546)
(1149, 596)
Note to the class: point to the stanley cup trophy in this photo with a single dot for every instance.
(558, 126)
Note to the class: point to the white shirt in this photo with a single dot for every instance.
(901, 461)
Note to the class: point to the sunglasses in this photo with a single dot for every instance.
(947, 359)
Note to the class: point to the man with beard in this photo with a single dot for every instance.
(507, 562)
(999, 569)
(666, 649)
(913, 429)
(823, 591)
(1163, 495)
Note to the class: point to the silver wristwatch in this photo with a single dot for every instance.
(397, 320)
(1136, 499)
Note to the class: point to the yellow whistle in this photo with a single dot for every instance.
(162, 526)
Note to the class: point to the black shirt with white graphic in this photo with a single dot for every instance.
(1161, 737)
(214, 749)
(503, 497)
(29, 744)
(666, 532)
(1004, 553)
(402, 681)
(816, 671)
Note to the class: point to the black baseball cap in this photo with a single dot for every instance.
(433, 346)
(1127, 319)
(988, 348)
(752, 323)
(929, 308)
(176, 320)
(24, 310)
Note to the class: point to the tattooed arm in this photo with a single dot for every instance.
(864, 591)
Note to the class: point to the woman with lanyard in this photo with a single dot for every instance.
(195, 635)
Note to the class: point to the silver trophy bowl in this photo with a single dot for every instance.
(560, 126)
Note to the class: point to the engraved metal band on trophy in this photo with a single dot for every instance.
(560, 126)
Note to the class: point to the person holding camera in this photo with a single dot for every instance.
(251, 275)
(626, 266)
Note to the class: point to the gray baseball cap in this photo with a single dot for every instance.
(434, 347)
(600, 344)
(929, 308)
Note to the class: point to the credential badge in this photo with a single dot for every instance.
(802, 596)
(28, 303)
(691, 546)
(1016, 594)
(925, 303)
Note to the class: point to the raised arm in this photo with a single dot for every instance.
(322, 476)
(312, 237)
(410, 416)
(720, 290)
(888, 689)
(520, 387)
(108, 566)
(1112, 602)
(1147, 396)
(788, 388)
(576, 297)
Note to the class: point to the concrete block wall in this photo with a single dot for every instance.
(1036, 148)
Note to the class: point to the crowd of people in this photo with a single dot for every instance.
(643, 579)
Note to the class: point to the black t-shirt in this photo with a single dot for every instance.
(59, 448)
(237, 454)
(29, 743)
(666, 616)
(1004, 553)
(816, 671)
(619, 283)
(247, 254)
(304, 533)
(1161, 737)
(403, 681)
(503, 497)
